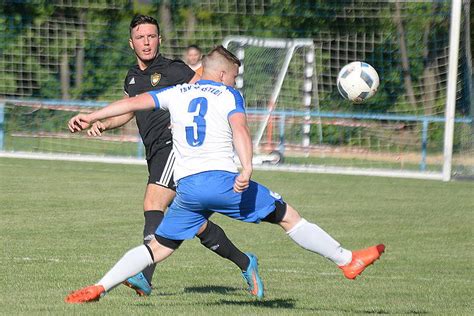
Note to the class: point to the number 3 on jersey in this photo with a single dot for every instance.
(196, 133)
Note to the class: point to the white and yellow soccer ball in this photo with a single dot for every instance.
(357, 81)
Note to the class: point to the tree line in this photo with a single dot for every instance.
(59, 50)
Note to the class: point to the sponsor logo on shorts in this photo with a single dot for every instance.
(275, 195)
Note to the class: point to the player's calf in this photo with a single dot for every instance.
(214, 238)
(141, 282)
(313, 238)
(153, 219)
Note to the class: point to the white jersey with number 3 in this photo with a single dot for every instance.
(202, 136)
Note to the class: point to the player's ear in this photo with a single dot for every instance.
(159, 39)
(130, 43)
(221, 76)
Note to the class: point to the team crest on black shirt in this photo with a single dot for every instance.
(155, 78)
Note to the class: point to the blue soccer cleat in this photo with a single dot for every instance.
(139, 284)
(252, 278)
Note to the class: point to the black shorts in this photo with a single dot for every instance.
(161, 168)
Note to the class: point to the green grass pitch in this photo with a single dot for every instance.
(64, 224)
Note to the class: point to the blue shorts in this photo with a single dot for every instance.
(200, 195)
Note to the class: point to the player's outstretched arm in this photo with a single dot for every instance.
(243, 147)
(141, 102)
(112, 122)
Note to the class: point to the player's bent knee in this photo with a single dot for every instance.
(150, 204)
(169, 243)
(157, 197)
(291, 217)
(278, 213)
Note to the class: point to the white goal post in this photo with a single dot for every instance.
(289, 46)
(451, 93)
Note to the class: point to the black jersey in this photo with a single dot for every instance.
(153, 125)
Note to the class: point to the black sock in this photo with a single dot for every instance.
(152, 221)
(214, 238)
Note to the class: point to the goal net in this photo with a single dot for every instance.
(73, 56)
(40, 127)
(294, 106)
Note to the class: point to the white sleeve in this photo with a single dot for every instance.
(163, 97)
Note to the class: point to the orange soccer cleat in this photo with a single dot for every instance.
(361, 259)
(88, 294)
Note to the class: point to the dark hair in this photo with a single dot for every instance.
(143, 19)
(194, 46)
(221, 50)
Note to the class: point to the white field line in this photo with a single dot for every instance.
(289, 168)
(200, 267)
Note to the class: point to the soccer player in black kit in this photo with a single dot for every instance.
(154, 72)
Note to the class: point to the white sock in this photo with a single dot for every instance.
(311, 237)
(133, 262)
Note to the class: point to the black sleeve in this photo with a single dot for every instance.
(126, 82)
(180, 72)
(125, 86)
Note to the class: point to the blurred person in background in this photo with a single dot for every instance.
(193, 57)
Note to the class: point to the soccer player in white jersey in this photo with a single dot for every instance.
(209, 122)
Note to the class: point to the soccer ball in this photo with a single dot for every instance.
(357, 81)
